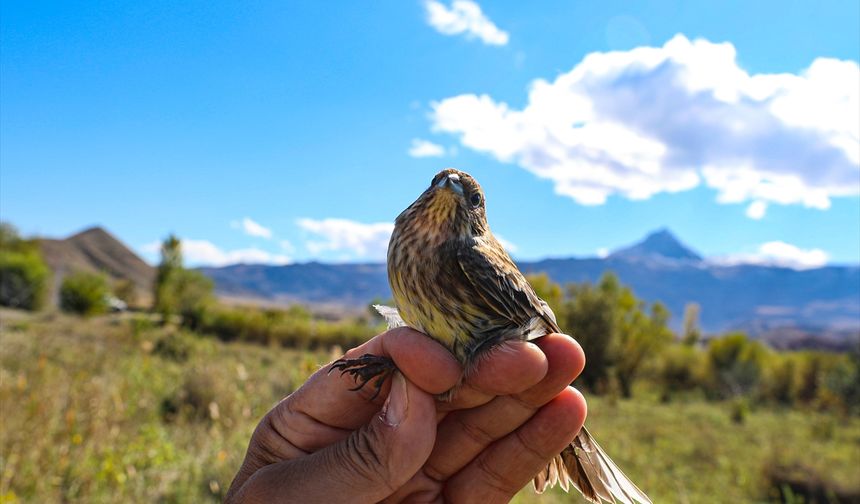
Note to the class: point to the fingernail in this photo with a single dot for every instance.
(394, 410)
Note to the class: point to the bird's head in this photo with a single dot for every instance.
(452, 205)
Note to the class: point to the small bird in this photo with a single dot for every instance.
(453, 281)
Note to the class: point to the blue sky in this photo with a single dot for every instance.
(279, 131)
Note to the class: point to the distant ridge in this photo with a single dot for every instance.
(96, 250)
(814, 307)
(822, 303)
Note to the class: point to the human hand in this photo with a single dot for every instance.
(324, 443)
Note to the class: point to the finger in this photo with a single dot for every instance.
(326, 397)
(510, 463)
(509, 368)
(462, 435)
(324, 411)
(367, 466)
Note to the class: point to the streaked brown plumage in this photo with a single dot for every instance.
(452, 280)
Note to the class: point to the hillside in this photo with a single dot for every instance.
(96, 250)
(823, 302)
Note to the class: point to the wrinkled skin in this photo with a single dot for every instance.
(324, 443)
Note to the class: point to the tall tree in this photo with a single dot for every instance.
(171, 262)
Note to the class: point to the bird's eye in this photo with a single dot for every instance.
(475, 199)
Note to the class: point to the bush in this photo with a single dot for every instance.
(843, 381)
(736, 364)
(176, 347)
(125, 290)
(24, 279)
(799, 482)
(185, 293)
(84, 293)
(293, 327)
(681, 369)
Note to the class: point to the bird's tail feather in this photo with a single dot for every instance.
(584, 465)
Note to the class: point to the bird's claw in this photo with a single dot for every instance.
(364, 369)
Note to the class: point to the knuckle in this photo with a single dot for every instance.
(475, 432)
(365, 456)
(494, 480)
(529, 450)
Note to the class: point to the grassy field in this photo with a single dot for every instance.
(116, 409)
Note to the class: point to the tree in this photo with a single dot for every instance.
(24, 276)
(616, 332)
(691, 333)
(193, 296)
(640, 336)
(588, 316)
(179, 291)
(171, 262)
(84, 293)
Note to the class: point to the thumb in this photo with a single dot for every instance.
(369, 465)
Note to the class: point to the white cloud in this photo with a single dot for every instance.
(756, 210)
(666, 119)
(356, 238)
(206, 253)
(602, 252)
(778, 253)
(252, 228)
(423, 148)
(464, 17)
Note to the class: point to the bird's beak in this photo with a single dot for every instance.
(452, 181)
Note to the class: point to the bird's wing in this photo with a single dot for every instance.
(501, 285)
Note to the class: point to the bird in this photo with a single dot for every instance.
(452, 280)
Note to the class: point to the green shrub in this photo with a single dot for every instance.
(84, 293)
(176, 347)
(735, 365)
(293, 327)
(24, 279)
(740, 410)
(842, 381)
(681, 369)
(779, 379)
(800, 482)
(196, 399)
(125, 290)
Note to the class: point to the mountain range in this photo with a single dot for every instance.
(785, 306)
(757, 298)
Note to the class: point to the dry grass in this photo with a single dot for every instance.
(115, 409)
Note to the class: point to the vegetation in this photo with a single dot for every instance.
(179, 291)
(160, 406)
(24, 277)
(294, 327)
(84, 294)
(625, 343)
(617, 331)
(122, 409)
